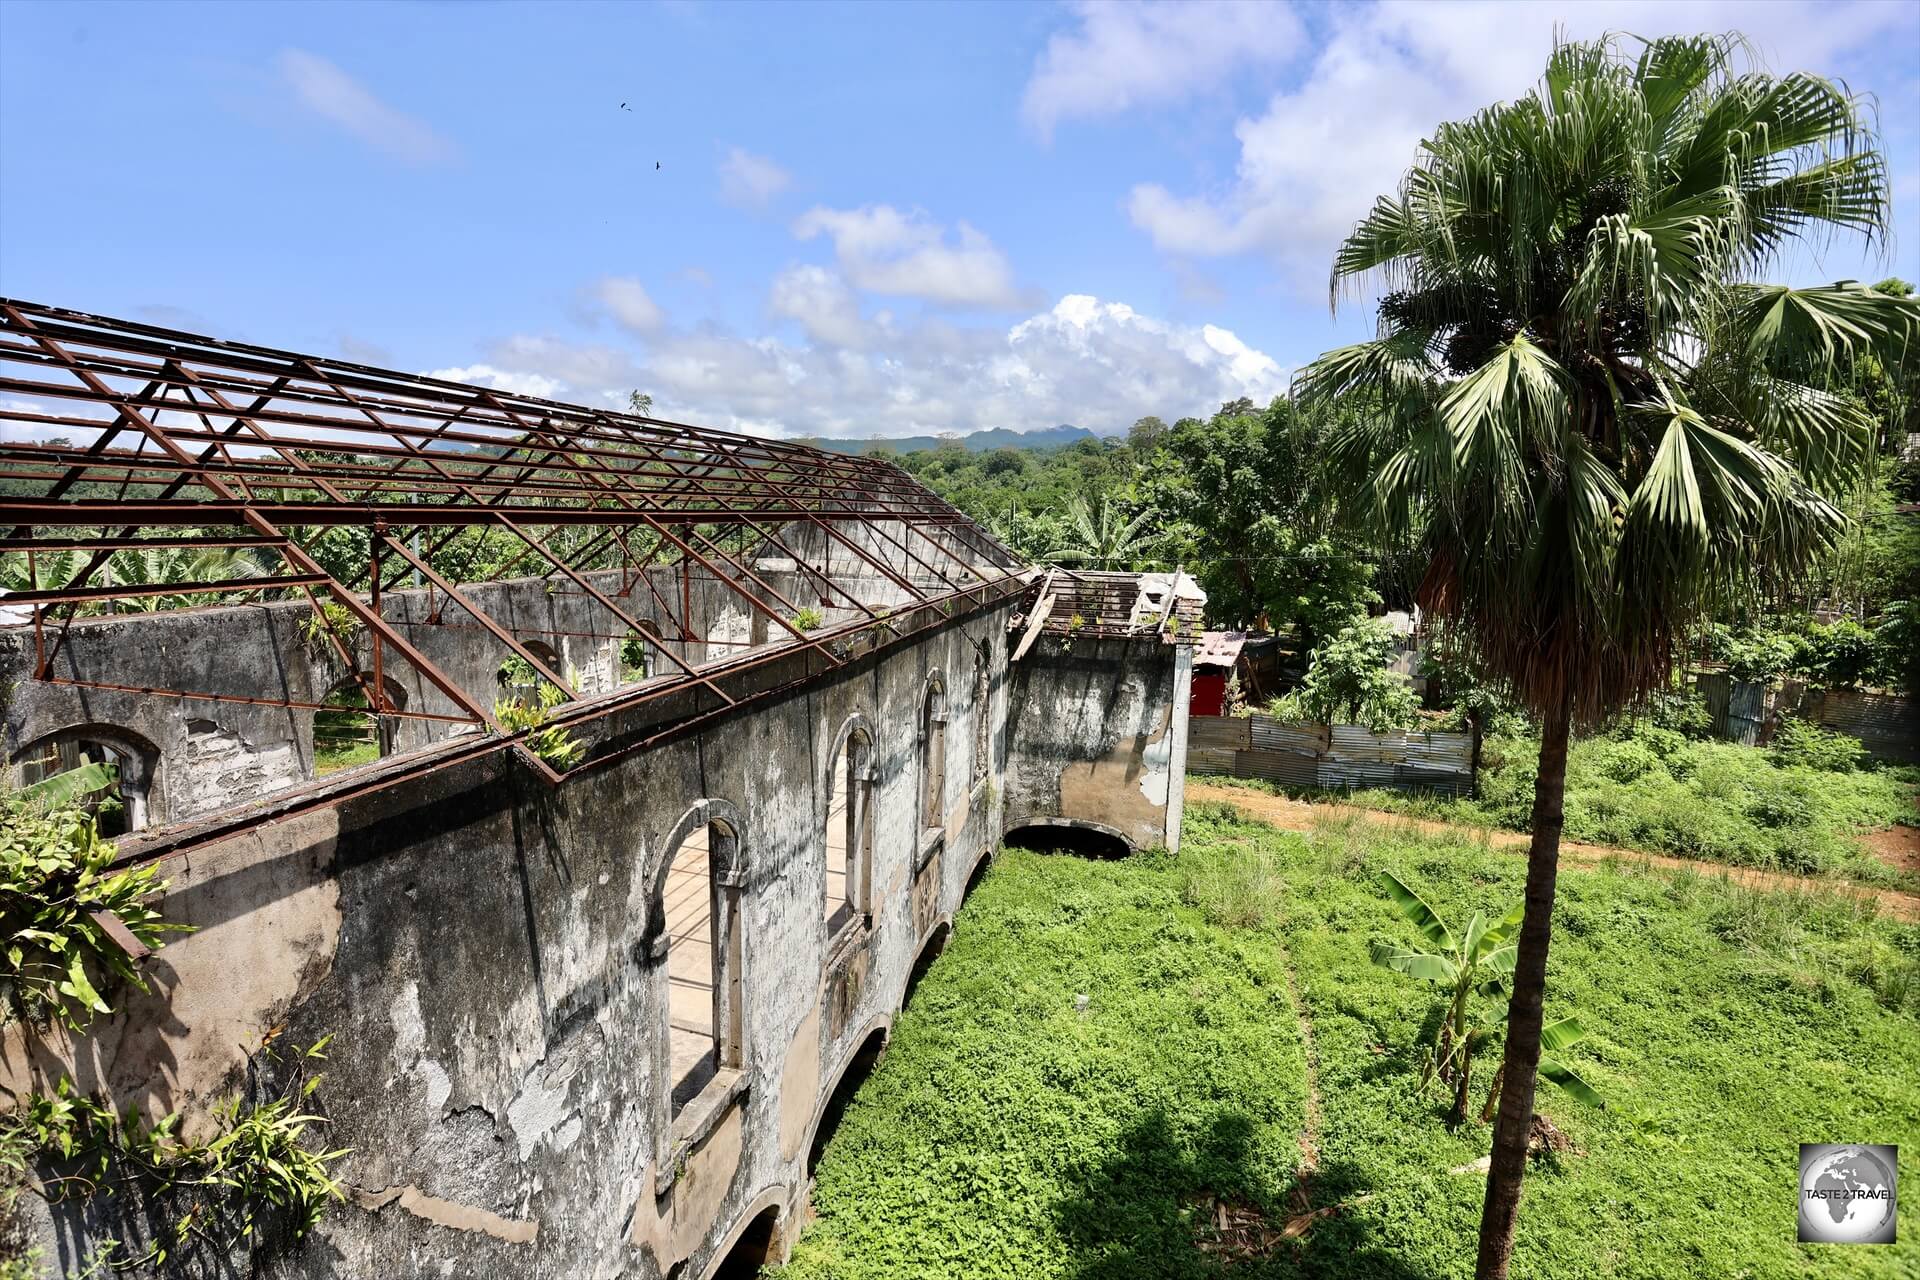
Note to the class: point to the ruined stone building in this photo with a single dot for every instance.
(597, 783)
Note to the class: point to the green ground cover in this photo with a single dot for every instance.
(1661, 792)
(1009, 1134)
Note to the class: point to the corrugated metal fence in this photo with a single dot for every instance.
(1748, 712)
(1342, 756)
(1887, 726)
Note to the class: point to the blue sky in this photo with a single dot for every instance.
(865, 219)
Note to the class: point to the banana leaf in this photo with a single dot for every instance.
(74, 785)
(1415, 908)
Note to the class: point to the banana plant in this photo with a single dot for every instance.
(1476, 962)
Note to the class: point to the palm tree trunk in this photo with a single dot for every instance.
(1502, 1207)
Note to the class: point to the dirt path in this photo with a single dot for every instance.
(1300, 815)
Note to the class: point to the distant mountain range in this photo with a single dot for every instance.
(978, 442)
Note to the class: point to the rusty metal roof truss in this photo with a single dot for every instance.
(120, 436)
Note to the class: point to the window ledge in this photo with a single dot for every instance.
(931, 841)
(852, 937)
(697, 1121)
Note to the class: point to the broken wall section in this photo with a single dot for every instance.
(1097, 736)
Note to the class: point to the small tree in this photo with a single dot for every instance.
(1349, 681)
(1102, 536)
(1476, 962)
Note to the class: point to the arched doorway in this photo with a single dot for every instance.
(348, 732)
(1063, 836)
(752, 1249)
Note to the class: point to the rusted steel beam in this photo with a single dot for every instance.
(230, 509)
(502, 633)
(66, 595)
(201, 695)
(25, 543)
(255, 445)
(633, 623)
(261, 525)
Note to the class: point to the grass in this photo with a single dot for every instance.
(1661, 793)
(1008, 1134)
(332, 757)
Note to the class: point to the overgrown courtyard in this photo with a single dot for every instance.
(1151, 1067)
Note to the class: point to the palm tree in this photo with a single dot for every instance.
(1103, 536)
(1586, 416)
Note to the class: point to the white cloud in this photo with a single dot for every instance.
(18, 431)
(1314, 161)
(1098, 364)
(750, 181)
(1126, 55)
(485, 375)
(883, 250)
(821, 303)
(626, 300)
(331, 93)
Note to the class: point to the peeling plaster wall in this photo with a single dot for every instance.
(1098, 737)
(482, 950)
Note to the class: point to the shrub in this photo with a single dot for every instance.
(808, 619)
(1348, 682)
(1682, 710)
(1236, 893)
(1842, 654)
(257, 1177)
(550, 742)
(1801, 742)
(1751, 654)
(1626, 761)
(54, 890)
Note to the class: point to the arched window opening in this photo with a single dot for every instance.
(703, 961)
(982, 716)
(118, 807)
(518, 678)
(849, 834)
(348, 732)
(933, 758)
(637, 655)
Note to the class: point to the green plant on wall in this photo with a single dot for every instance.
(635, 660)
(253, 1179)
(56, 899)
(808, 619)
(329, 616)
(550, 742)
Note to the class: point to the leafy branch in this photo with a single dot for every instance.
(59, 908)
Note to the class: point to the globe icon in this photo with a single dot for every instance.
(1846, 1196)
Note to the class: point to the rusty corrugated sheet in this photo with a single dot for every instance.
(1270, 734)
(1887, 726)
(1228, 733)
(1283, 767)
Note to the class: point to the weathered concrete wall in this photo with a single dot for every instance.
(208, 754)
(484, 951)
(1098, 736)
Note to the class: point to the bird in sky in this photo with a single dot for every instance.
(656, 164)
(625, 107)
